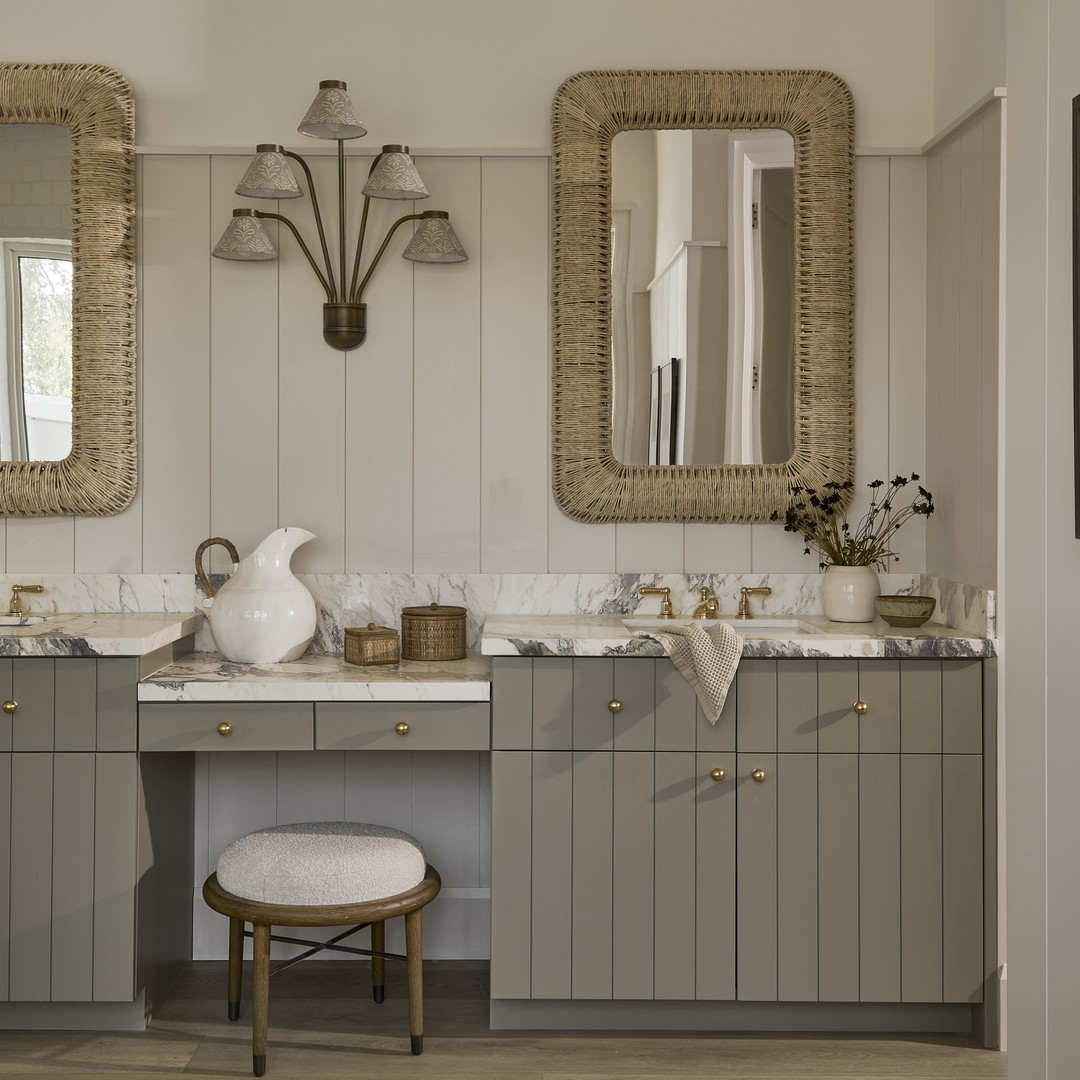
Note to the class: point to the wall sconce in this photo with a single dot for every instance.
(393, 175)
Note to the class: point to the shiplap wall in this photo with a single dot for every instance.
(426, 450)
(963, 283)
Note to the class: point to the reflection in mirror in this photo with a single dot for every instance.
(35, 292)
(703, 297)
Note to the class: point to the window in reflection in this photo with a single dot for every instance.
(35, 421)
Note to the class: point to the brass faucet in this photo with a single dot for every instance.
(665, 599)
(709, 608)
(745, 593)
(15, 608)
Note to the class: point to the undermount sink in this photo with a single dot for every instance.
(21, 620)
(759, 624)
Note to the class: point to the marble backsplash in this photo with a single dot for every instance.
(356, 599)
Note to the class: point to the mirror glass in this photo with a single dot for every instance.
(35, 292)
(703, 297)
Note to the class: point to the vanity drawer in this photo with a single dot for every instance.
(428, 725)
(275, 725)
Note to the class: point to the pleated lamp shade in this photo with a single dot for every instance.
(435, 240)
(245, 239)
(332, 114)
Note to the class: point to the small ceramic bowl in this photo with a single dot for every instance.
(905, 610)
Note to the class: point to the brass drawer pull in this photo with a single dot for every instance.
(758, 775)
(861, 707)
(717, 774)
(10, 706)
(224, 728)
(402, 728)
(614, 706)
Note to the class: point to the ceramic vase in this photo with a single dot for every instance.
(848, 593)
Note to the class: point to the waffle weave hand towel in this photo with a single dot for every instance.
(708, 657)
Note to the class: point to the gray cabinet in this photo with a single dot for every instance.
(76, 840)
(850, 870)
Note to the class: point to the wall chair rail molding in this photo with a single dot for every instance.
(100, 474)
(393, 175)
(590, 484)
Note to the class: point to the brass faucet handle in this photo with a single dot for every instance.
(666, 611)
(16, 605)
(744, 599)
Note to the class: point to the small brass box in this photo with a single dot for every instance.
(371, 644)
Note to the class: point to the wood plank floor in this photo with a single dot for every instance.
(324, 1025)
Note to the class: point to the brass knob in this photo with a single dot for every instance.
(861, 707)
(402, 728)
(758, 775)
(224, 728)
(10, 706)
(717, 774)
(615, 706)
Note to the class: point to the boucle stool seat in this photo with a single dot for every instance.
(328, 873)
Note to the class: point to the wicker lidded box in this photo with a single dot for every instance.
(435, 632)
(371, 645)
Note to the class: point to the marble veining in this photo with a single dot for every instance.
(97, 634)
(605, 635)
(210, 677)
(967, 607)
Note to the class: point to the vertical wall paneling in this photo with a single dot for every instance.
(777, 552)
(379, 787)
(934, 544)
(447, 411)
(311, 412)
(707, 548)
(310, 786)
(649, 548)
(242, 793)
(40, 545)
(111, 545)
(872, 317)
(177, 236)
(5, 871)
(907, 341)
(446, 807)
(243, 400)
(515, 370)
(991, 286)
(950, 469)
(379, 390)
(577, 548)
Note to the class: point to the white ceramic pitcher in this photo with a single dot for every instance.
(263, 614)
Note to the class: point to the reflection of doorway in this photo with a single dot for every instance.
(663, 440)
(761, 375)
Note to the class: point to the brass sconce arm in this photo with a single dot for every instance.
(327, 285)
(318, 219)
(357, 293)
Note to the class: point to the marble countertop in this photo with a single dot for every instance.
(605, 635)
(210, 677)
(87, 633)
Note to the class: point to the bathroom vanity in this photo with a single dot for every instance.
(821, 857)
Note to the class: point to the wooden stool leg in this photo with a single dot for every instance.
(378, 964)
(236, 966)
(260, 996)
(414, 954)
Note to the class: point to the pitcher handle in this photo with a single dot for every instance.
(227, 545)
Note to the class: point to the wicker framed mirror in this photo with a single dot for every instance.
(99, 475)
(590, 484)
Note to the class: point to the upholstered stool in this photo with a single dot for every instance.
(326, 873)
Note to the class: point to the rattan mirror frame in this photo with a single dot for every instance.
(590, 108)
(96, 105)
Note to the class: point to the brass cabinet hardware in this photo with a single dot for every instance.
(402, 728)
(758, 775)
(614, 705)
(717, 774)
(664, 593)
(10, 706)
(861, 707)
(224, 728)
(16, 606)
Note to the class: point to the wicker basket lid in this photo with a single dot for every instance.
(371, 630)
(442, 610)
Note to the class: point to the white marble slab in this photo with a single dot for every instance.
(97, 634)
(210, 677)
(605, 635)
